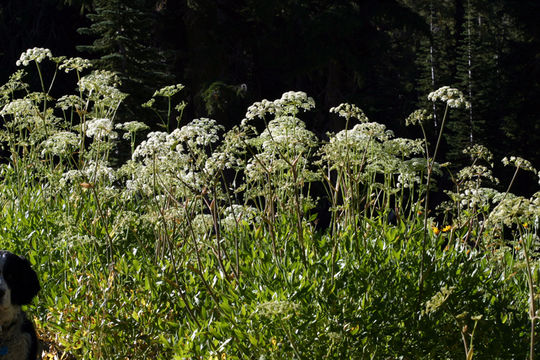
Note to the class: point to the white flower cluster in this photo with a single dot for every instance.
(260, 165)
(231, 153)
(100, 128)
(198, 133)
(156, 144)
(288, 134)
(478, 151)
(131, 127)
(176, 159)
(404, 147)
(406, 180)
(239, 214)
(291, 101)
(98, 80)
(35, 54)
(359, 145)
(168, 91)
(19, 107)
(418, 117)
(289, 104)
(409, 172)
(14, 83)
(365, 131)
(476, 173)
(349, 111)
(93, 171)
(38, 97)
(220, 160)
(202, 225)
(101, 88)
(77, 63)
(259, 109)
(451, 96)
(479, 198)
(516, 209)
(60, 144)
(520, 163)
(70, 101)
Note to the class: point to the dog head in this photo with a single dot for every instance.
(18, 281)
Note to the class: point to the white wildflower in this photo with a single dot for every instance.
(77, 63)
(291, 101)
(451, 96)
(92, 172)
(418, 117)
(349, 111)
(131, 127)
(404, 147)
(154, 144)
(476, 173)
(199, 132)
(70, 101)
(514, 209)
(238, 214)
(287, 133)
(289, 104)
(97, 80)
(168, 91)
(202, 225)
(259, 109)
(519, 162)
(19, 107)
(100, 128)
(35, 54)
(478, 151)
(60, 144)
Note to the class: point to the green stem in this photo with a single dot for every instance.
(426, 205)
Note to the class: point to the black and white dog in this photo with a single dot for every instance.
(18, 286)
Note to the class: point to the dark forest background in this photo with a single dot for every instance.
(385, 56)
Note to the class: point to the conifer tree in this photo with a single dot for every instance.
(123, 30)
(436, 65)
(480, 76)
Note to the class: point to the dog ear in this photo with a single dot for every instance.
(22, 280)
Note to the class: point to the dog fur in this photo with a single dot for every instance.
(19, 284)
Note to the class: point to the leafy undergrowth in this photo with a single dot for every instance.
(208, 243)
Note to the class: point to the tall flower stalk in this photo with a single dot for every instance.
(453, 99)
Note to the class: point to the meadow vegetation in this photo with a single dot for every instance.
(204, 243)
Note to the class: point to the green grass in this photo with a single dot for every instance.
(204, 244)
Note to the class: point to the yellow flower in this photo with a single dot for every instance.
(436, 230)
(447, 228)
(526, 225)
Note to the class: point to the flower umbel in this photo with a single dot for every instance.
(451, 96)
(77, 63)
(35, 54)
(168, 91)
(349, 111)
(100, 128)
(418, 117)
(519, 162)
